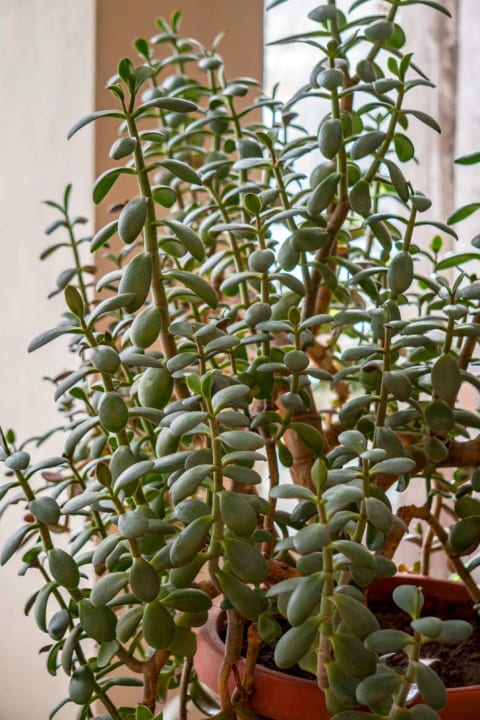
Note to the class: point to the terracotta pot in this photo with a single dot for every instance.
(283, 697)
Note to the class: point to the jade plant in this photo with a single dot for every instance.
(268, 362)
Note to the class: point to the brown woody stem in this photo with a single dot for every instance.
(151, 673)
(233, 650)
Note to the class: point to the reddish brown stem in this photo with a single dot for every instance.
(152, 670)
(233, 650)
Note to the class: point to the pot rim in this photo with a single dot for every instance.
(210, 631)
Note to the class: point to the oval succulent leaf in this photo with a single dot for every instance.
(107, 587)
(190, 541)
(63, 568)
(356, 615)
(245, 561)
(293, 645)
(136, 279)
(387, 641)
(400, 273)
(144, 580)
(409, 598)
(158, 626)
(372, 691)
(367, 144)
(352, 656)
(321, 197)
(429, 626)
(98, 622)
(464, 536)
(446, 378)
(245, 600)
(237, 513)
(132, 219)
(128, 623)
(430, 686)
(305, 599)
(187, 600)
(330, 138)
(439, 417)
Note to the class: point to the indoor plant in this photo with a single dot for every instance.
(255, 320)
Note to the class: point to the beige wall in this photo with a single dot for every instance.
(45, 85)
(241, 49)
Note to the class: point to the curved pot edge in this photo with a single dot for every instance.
(266, 701)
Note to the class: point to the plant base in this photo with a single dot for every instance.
(279, 696)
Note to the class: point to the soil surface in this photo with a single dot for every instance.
(457, 665)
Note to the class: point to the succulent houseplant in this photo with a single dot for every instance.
(268, 363)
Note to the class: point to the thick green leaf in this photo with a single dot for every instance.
(197, 284)
(40, 607)
(245, 600)
(103, 236)
(352, 656)
(430, 3)
(106, 181)
(440, 226)
(171, 104)
(293, 645)
(237, 513)
(430, 686)
(403, 147)
(426, 119)
(463, 212)
(470, 159)
(409, 598)
(13, 543)
(387, 640)
(110, 305)
(292, 492)
(50, 335)
(82, 500)
(94, 116)
(373, 690)
(188, 238)
(188, 482)
(366, 144)
(183, 171)
(450, 260)
(394, 466)
(78, 433)
(133, 472)
(69, 648)
(464, 536)
(107, 587)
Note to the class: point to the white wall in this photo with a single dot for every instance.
(46, 83)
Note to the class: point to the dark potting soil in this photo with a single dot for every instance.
(457, 665)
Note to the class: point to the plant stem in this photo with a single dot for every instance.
(150, 235)
(184, 683)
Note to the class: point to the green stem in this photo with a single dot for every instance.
(384, 147)
(401, 694)
(78, 264)
(382, 403)
(409, 231)
(390, 18)
(159, 296)
(106, 378)
(449, 335)
(326, 605)
(239, 266)
(217, 532)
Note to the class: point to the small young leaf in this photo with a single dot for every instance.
(94, 116)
